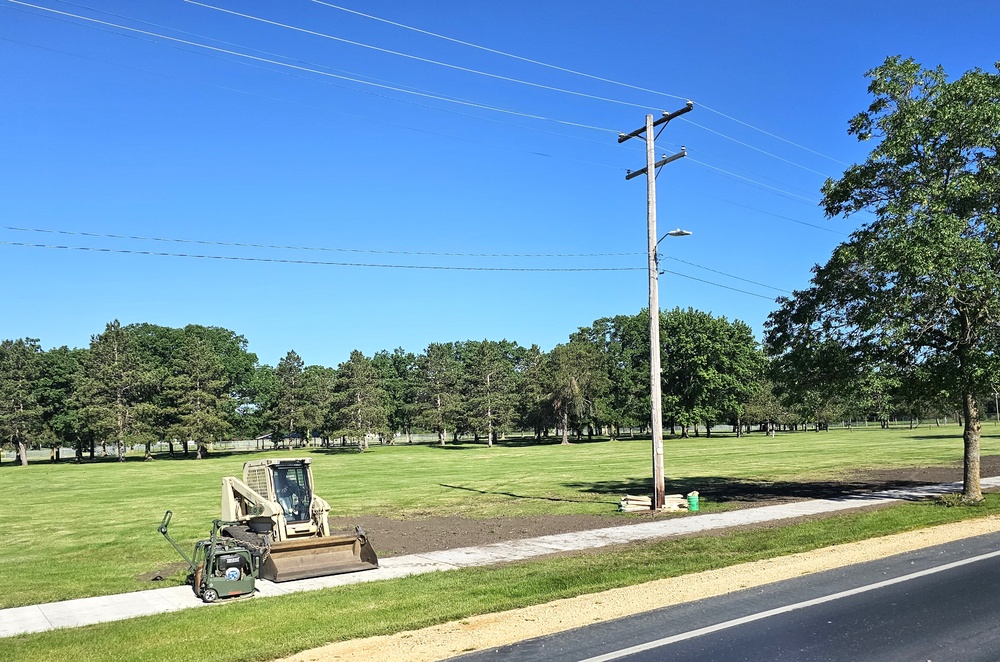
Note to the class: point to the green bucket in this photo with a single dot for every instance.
(693, 502)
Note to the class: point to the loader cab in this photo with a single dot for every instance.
(292, 490)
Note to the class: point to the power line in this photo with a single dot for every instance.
(384, 85)
(756, 149)
(205, 242)
(371, 251)
(774, 135)
(577, 73)
(499, 52)
(417, 57)
(489, 75)
(318, 72)
(728, 275)
(797, 197)
(786, 218)
(708, 282)
(233, 258)
(366, 118)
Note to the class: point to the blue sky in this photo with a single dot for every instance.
(107, 133)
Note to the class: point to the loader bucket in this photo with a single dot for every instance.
(317, 557)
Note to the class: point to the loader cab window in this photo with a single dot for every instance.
(291, 483)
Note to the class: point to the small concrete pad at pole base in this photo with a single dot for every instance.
(106, 608)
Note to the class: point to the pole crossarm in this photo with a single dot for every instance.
(662, 162)
(622, 137)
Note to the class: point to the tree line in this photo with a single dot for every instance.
(139, 384)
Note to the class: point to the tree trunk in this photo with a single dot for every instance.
(22, 450)
(970, 477)
(565, 428)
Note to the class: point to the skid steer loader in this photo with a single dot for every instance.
(278, 516)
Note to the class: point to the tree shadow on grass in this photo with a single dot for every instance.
(736, 490)
(70, 460)
(520, 442)
(331, 450)
(520, 496)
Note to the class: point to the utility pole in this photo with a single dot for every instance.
(656, 415)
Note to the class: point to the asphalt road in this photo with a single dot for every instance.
(938, 604)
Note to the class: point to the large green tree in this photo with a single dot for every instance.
(199, 389)
(361, 401)
(709, 367)
(437, 388)
(291, 408)
(534, 410)
(172, 355)
(119, 388)
(57, 391)
(490, 380)
(623, 343)
(20, 412)
(919, 284)
(577, 382)
(397, 372)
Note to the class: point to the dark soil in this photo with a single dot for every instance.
(392, 537)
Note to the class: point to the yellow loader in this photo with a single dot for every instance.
(277, 515)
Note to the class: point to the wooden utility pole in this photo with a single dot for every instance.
(656, 415)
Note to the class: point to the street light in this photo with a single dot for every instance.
(674, 233)
(655, 373)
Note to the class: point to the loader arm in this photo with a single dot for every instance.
(240, 501)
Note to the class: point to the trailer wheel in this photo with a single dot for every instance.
(209, 595)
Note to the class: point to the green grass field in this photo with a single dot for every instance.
(71, 531)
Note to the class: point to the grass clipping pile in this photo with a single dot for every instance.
(500, 629)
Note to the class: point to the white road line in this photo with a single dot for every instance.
(615, 655)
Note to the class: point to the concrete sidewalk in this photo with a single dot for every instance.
(87, 611)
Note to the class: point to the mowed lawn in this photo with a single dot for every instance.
(69, 531)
